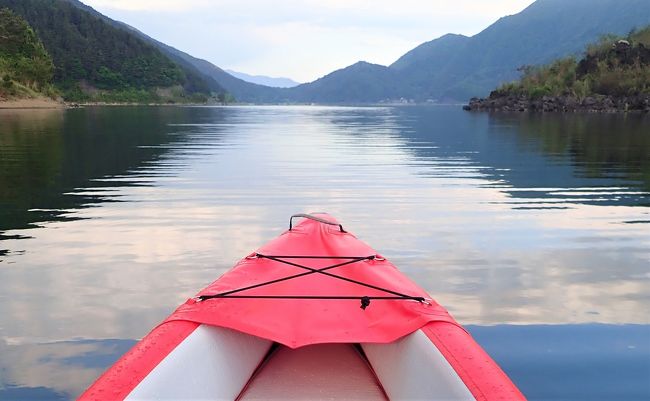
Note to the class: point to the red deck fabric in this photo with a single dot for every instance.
(296, 323)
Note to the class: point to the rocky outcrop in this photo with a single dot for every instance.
(594, 104)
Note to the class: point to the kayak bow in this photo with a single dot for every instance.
(314, 314)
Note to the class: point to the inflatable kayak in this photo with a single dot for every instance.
(314, 314)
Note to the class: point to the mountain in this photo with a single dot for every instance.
(195, 79)
(242, 91)
(196, 69)
(274, 82)
(443, 48)
(353, 84)
(94, 60)
(544, 31)
(456, 67)
(420, 67)
(449, 68)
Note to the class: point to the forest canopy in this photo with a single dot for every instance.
(24, 63)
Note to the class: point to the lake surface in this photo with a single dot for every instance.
(533, 230)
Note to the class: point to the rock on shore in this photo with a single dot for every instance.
(593, 104)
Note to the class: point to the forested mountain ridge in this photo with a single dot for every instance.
(216, 79)
(95, 54)
(96, 61)
(26, 69)
(456, 67)
(196, 80)
(450, 68)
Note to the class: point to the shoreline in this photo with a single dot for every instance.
(33, 103)
(46, 103)
(561, 104)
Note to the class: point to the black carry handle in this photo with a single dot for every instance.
(315, 218)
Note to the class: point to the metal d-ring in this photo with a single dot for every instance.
(315, 218)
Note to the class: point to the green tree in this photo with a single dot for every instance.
(23, 57)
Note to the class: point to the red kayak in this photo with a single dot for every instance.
(314, 314)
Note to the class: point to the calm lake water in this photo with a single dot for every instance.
(533, 230)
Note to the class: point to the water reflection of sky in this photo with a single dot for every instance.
(485, 212)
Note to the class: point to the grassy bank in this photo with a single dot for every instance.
(614, 66)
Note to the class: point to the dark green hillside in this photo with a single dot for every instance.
(196, 81)
(96, 61)
(26, 68)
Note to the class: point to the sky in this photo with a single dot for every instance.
(303, 39)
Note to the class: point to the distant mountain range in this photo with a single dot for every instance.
(273, 82)
(456, 67)
(446, 69)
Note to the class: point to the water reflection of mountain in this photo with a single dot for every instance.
(46, 155)
(542, 161)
